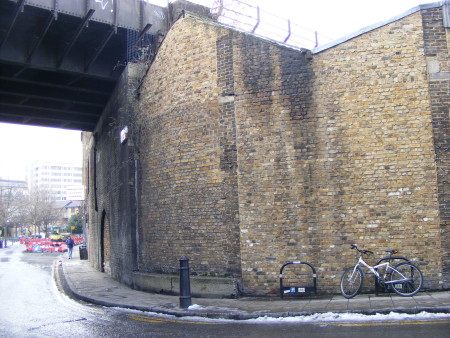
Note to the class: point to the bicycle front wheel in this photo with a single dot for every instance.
(351, 282)
(406, 279)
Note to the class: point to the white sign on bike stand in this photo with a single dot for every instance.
(298, 290)
(381, 287)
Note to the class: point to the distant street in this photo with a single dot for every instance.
(32, 306)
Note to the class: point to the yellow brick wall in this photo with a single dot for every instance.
(188, 203)
(281, 155)
(371, 96)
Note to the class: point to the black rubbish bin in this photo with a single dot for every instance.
(83, 252)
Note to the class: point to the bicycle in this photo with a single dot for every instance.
(405, 278)
(392, 259)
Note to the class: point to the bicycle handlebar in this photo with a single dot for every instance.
(355, 246)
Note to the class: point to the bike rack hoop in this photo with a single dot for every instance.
(379, 287)
(298, 290)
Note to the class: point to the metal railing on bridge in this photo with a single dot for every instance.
(245, 16)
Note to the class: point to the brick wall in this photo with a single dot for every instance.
(273, 102)
(110, 194)
(250, 154)
(437, 50)
(376, 136)
(188, 155)
(335, 149)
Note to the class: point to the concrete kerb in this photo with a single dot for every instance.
(170, 307)
(65, 285)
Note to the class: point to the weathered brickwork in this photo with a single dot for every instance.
(273, 98)
(109, 173)
(188, 155)
(437, 53)
(375, 131)
(249, 154)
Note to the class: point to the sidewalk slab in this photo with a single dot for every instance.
(443, 298)
(338, 304)
(85, 283)
(381, 303)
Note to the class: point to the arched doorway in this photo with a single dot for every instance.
(105, 244)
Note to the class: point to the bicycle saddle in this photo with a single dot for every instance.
(392, 252)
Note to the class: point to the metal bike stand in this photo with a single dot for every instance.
(387, 288)
(298, 290)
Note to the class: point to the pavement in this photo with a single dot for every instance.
(82, 281)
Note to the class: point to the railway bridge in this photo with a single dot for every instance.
(60, 60)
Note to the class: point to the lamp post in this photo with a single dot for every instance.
(3, 230)
(6, 234)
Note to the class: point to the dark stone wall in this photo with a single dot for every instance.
(111, 190)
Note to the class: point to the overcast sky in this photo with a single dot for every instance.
(330, 18)
(22, 144)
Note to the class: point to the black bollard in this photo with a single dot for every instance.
(185, 283)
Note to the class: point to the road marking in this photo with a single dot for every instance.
(377, 323)
(150, 319)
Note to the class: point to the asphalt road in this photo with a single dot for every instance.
(33, 305)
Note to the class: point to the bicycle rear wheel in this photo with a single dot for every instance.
(351, 282)
(406, 279)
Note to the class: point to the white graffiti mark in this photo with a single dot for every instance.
(159, 14)
(104, 4)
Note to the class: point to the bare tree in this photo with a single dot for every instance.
(12, 197)
(41, 209)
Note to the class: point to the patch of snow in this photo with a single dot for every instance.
(352, 317)
(195, 307)
(314, 318)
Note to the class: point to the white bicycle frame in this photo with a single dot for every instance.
(372, 269)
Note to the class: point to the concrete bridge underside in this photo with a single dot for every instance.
(60, 60)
